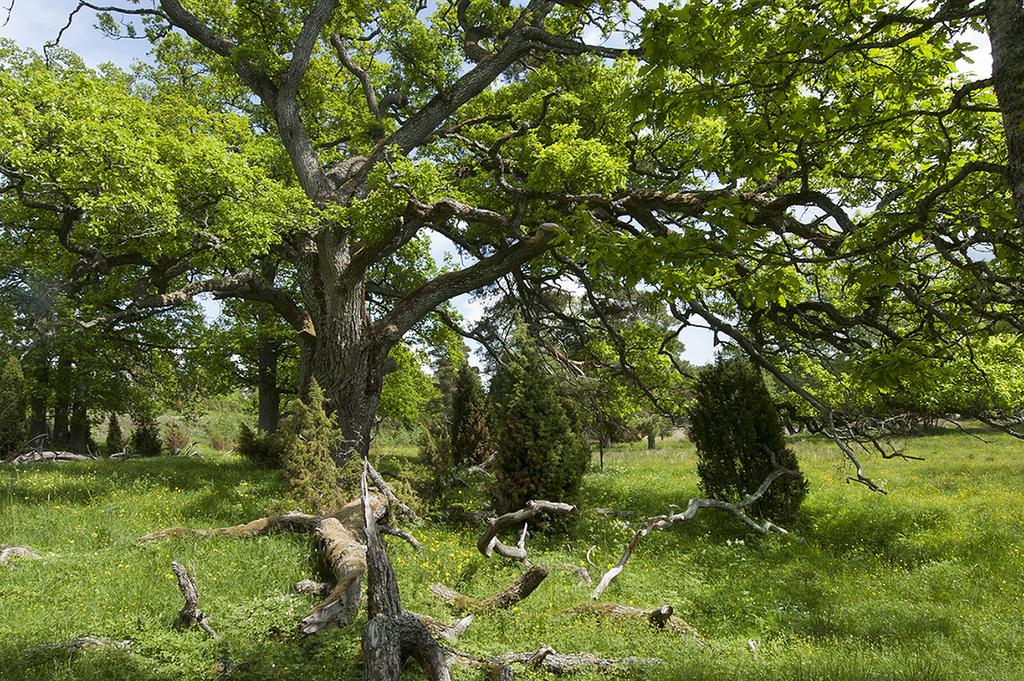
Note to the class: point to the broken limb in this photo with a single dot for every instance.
(506, 598)
(661, 522)
(488, 544)
(190, 614)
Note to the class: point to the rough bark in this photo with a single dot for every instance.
(652, 441)
(190, 614)
(268, 392)
(662, 617)
(345, 556)
(1005, 19)
(524, 585)
(391, 635)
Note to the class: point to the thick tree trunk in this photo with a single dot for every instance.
(62, 403)
(37, 402)
(347, 361)
(269, 394)
(79, 431)
(1006, 35)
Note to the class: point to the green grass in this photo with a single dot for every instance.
(924, 583)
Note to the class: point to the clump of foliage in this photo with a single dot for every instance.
(736, 428)
(470, 433)
(312, 439)
(266, 450)
(12, 406)
(176, 437)
(435, 450)
(115, 438)
(539, 453)
(145, 439)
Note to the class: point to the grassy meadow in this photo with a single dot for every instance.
(926, 582)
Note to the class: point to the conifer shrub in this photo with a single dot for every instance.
(13, 406)
(435, 451)
(312, 438)
(115, 438)
(266, 450)
(539, 453)
(735, 426)
(145, 439)
(470, 433)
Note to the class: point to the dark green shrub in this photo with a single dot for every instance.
(539, 454)
(13, 406)
(145, 439)
(735, 425)
(436, 453)
(470, 434)
(312, 439)
(115, 439)
(266, 450)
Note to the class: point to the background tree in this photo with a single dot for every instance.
(13, 407)
(470, 432)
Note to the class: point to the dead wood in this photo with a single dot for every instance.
(349, 515)
(9, 553)
(391, 635)
(548, 660)
(581, 573)
(308, 586)
(402, 534)
(389, 494)
(662, 617)
(488, 544)
(661, 522)
(81, 644)
(46, 456)
(190, 614)
(344, 555)
(442, 629)
(524, 585)
(482, 467)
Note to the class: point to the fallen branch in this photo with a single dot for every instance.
(345, 556)
(389, 494)
(661, 618)
(548, 660)
(190, 614)
(488, 544)
(81, 644)
(581, 573)
(402, 534)
(294, 521)
(9, 553)
(661, 522)
(449, 632)
(50, 457)
(308, 586)
(506, 598)
(481, 468)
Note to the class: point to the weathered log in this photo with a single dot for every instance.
(9, 553)
(345, 556)
(190, 614)
(548, 660)
(45, 456)
(391, 635)
(661, 522)
(349, 515)
(81, 644)
(488, 544)
(524, 585)
(662, 617)
(308, 586)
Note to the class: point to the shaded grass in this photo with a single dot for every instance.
(924, 583)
